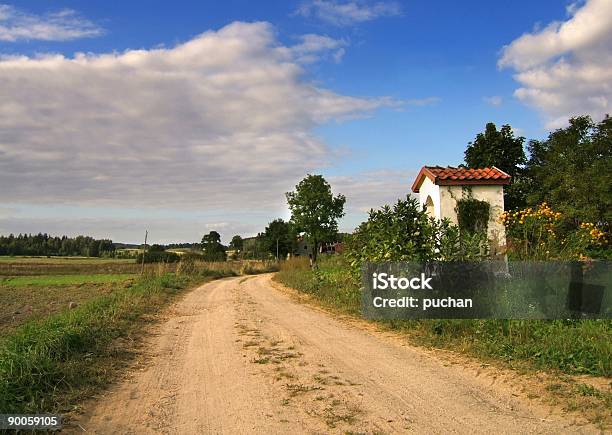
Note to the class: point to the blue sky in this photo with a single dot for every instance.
(426, 76)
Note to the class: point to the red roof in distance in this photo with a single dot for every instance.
(451, 176)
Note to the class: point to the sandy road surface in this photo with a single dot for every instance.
(240, 356)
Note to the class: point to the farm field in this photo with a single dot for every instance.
(69, 326)
(58, 280)
(27, 266)
(62, 260)
(30, 297)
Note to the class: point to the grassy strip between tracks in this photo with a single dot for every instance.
(50, 364)
(568, 348)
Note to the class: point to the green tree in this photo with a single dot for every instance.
(44, 244)
(315, 211)
(572, 171)
(502, 149)
(236, 243)
(212, 247)
(404, 232)
(278, 234)
(156, 248)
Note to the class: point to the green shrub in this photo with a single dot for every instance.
(543, 234)
(473, 215)
(158, 257)
(406, 233)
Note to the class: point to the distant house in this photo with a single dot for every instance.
(302, 248)
(439, 188)
(331, 248)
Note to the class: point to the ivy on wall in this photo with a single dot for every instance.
(472, 215)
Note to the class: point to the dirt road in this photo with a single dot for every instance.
(240, 356)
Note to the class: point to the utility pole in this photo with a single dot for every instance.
(144, 251)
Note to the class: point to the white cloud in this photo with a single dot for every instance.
(338, 55)
(493, 100)
(367, 190)
(313, 47)
(221, 122)
(66, 24)
(565, 69)
(348, 13)
(427, 101)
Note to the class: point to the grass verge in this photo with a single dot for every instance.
(48, 365)
(569, 348)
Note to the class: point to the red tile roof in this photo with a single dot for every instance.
(450, 176)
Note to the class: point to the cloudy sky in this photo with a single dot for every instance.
(186, 116)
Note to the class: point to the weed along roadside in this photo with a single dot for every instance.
(567, 354)
(51, 364)
(572, 347)
(525, 291)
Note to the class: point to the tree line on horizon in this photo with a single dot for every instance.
(46, 245)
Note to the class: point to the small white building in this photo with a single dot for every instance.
(439, 189)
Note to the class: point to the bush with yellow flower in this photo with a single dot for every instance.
(540, 233)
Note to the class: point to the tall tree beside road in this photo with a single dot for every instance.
(212, 247)
(315, 211)
(572, 171)
(502, 149)
(236, 243)
(278, 238)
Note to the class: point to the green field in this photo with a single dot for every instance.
(62, 260)
(69, 325)
(25, 266)
(41, 296)
(55, 280)
(32, 288)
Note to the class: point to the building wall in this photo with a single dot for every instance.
(445, 201)
(429, 189)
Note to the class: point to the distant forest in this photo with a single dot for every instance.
(44, 244)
